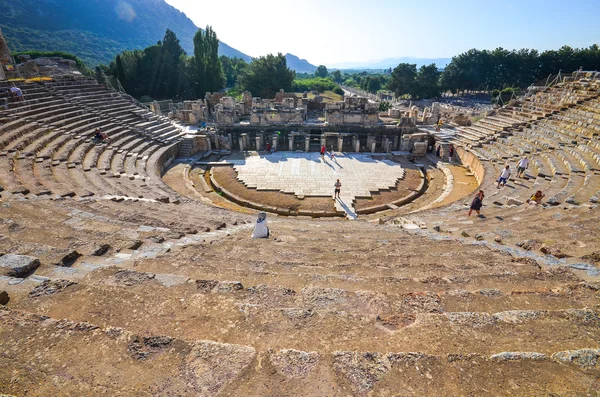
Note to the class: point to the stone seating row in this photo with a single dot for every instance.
(49, 151)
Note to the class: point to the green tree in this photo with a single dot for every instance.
(121, 73)
(232, 69)
(402, 79)
(266, 75)
(426, 84)
(321, 71)
(208, 71)
(337, 76)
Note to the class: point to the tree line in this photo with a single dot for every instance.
(165, 71)
(483, 70)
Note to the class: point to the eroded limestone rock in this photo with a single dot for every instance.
(19, 266)
(212, 366)
(294, 363)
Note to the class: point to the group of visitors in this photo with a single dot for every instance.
(438, 152)
(535, 199)
(331, 153)
(506, 173)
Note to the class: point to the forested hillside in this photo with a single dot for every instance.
(95, 30)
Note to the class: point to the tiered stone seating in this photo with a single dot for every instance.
(177, 299)
(334, 303)
(49, 137)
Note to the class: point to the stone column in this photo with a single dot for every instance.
(258, 145)
(405, 146)
(246, 140)
(373, 144)
(386, 145)
(291, 143)
(340, 143)
(230, 143)
(395, 145)
(274, 146)
(207, 143)
(357, 145)
(216, 139)
(323, 141)
(241, 140)
(306, 144)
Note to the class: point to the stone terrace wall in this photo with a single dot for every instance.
(164, 159)
(476, 166)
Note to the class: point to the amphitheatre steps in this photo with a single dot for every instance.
(484, 317)
(196, 314)
(176, 366)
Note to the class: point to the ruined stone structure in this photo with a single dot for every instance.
(192, 112)
(211, 99)
(281, 95)
(267, 112)
(353, 111)
(226, 112)
(7, 68)
(50, 67)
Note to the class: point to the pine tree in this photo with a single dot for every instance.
(208, 69)
(121, 73)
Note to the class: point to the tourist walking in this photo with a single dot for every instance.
(323, 152)
(437, 151)
(504, 176)
(477, 203)
(522, 166)
(338, 186)
(450, 154)
(268, 148)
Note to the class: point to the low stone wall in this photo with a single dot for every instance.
(165, 157)
(400, 202)
(473, 162)
(261, 207)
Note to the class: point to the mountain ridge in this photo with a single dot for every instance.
(299, 65)
(390, 63)
(96, 30)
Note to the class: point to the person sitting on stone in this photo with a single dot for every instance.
(98, 134)
(536, 198)
(261, 230)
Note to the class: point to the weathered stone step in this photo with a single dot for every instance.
(147, 308)
(150, 364)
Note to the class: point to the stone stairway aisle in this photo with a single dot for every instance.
(345, 204)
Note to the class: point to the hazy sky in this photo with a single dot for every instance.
(332, 31)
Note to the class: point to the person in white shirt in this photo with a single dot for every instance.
(16, 91)
(504, 176)
(522, 166)
(338, 186)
